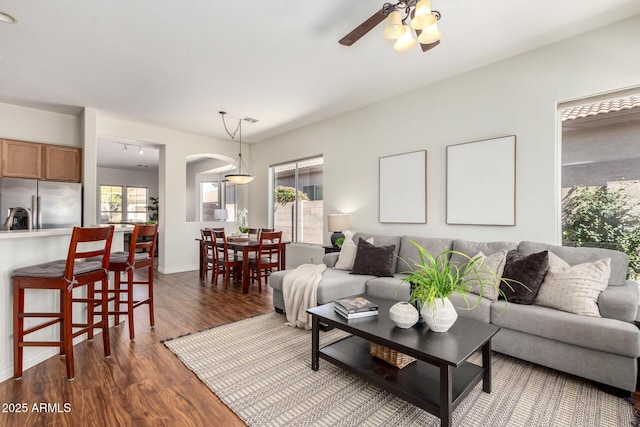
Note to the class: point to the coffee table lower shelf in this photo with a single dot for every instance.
(417, 383)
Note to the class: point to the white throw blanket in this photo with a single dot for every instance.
(300, 292)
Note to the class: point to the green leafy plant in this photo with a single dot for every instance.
(339, 242)
(437, 277)
(288, 194)
(604, 217)
(153, 210)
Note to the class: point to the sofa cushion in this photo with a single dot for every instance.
(471, 248)
(381, 240)
(489, 270)
(480, 312)
(528, 270)
(392, 288)
(374, 260)
(409, 252)
(573, 256)
(348, 252)
(608, 335)
(576, 288)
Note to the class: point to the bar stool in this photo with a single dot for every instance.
(78, 270)
(129, 262)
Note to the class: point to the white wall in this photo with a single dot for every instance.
(30, 124)
(516, 96)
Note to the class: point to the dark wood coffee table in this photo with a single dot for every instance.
(437, 382)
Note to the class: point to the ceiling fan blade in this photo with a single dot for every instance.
(363, 28)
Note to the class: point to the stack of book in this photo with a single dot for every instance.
(355, 307)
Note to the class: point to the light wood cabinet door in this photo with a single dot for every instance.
(21, 159)
(62, 163)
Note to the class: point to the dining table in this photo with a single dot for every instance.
(246, 247)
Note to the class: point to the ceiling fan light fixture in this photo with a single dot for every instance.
(429, 35)
(394, 28)
(406, 41)
(423, 17)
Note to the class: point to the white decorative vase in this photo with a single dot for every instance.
(439, 316)
(404, 315)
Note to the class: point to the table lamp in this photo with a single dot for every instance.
(220, 214)
(337, 223)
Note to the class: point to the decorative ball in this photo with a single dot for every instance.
(403, 314)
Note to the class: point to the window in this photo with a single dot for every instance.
(136, 204)
(297, 189)
(229, 191)
(601, 175)
(114, 208)
(110, 204)
(210, 197)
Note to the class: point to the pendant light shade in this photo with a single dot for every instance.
(5, 17)
(406, 41)
(429, 35)
(423, 16)
(394, 28)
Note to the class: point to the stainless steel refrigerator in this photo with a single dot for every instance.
(52, 204)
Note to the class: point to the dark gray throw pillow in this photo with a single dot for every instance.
(528, 270)
(373, 260)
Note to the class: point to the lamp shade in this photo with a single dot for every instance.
(220, 214)
(429, 35)
(394, 27)
(423, 16)
(406, 41)
(338, 222)
(5, 17)
(238, 178)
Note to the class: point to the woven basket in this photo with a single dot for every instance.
(390, 356)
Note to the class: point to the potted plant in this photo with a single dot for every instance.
(434, 279)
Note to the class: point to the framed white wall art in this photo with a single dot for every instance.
(481, 182)
(403, 188)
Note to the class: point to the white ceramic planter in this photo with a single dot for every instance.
(403, 314)
(440, 316)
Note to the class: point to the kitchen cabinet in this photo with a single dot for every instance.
(21, 159)
(62, 163)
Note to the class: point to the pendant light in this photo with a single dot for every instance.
(241, 174)
(5, 17)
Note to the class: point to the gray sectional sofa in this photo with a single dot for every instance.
(603, 349)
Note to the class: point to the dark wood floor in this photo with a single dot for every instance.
(143, 383)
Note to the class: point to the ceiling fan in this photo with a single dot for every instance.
(421, 19)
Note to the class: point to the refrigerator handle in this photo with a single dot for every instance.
(39, 214)
(34, 213)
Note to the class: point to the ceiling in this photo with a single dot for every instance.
(176, 64)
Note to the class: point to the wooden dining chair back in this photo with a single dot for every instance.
(207, 251)
(87, 263)
(139, 257)
(228, 261)
(268, 257)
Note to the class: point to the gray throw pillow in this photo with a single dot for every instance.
(489, 270)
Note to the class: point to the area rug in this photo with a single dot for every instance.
(261, 369)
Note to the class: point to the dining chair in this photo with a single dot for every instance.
(268, 257)
(228, 261)
(79, 271)
(141, 256)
